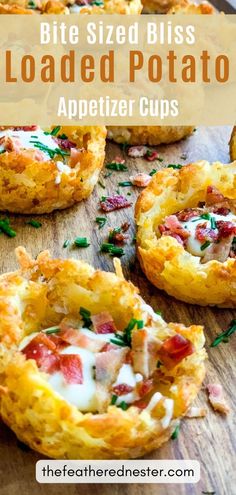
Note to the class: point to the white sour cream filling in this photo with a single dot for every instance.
(127, 376)
(75, 9)
(193, 245)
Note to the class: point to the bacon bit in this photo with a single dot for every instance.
(66, 144)
(74, 337)
(125, 226)
(103, 323)
(26, 128)
(137, 151)
(226, 229)
(216, 398)
(71, 368)
(42, 350)
(122, 389)
(173, 228)
(151, 155)
(196, 412)
(203, 233)
(118, 159)
(39, 156)
(108, 347)
(213, 196)
(145, 349)
(140, 180)
(145, 387)
(174, 350)
(112, 203)
(75, 156)
(187, 214)
(141, 404)
(10, 143)
(108, 365)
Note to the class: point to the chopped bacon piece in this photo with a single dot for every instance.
(140, 180)
(218, 251)
(71, 368)
(145, 349)
(173, 228)
(151, 155)
(122, 389)
(42, 350)
(226, 229)
(103, 323)
(216, 398)
(75, 156)
(145, 387)
(141, 404)
(213, 196)
(112, 203)
(125, 226)
(187, 214)
(66, 144)
(26, 128)
(203, 233)
(174, 350)
(108, 347)
(118, 159)
(108, 365)
(137, 151)
(10, 143)
(75, 337)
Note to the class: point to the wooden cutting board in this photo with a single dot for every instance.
(209, 440)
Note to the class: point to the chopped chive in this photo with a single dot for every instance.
(34, 223)
(66, 243)
(108, 247)
(118, 167)
(55, 130)
(118, 342)
(5, 227)
(103, 198)
(101, 184)
(123, 405)
(175, 433)
(160, 159)
(113, 399)
(205, 245)
(32, 4)
(116, 230)
(134, 239)
(126, 183)
(81, 242)
(183, 156)
(108, 174)
(101, 221)
(153, 172)
(128, 330)
(62, 136)
(208, 493)
(175, 165)
(52, 330)
(159, 364)
(85, 315)
(206, 216)
(224, 336)
(213, 223)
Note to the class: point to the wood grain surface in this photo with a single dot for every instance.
(209, 440)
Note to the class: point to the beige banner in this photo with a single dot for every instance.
(118, 70)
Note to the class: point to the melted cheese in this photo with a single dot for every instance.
(126, 375)
(25, 138)
(193, 245)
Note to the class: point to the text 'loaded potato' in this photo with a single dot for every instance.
(44, 170)
(87, 369)
(186, 221)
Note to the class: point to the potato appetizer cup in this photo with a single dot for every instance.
(71, 7)
(87, 369)
(150, 135)
(232, 144)
(44, 170)
(186, 220)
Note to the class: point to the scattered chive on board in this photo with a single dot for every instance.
(175, 433)
(81, 242)
(6, 228)
(34, 223)
(66, 243)
(101, 221)
(224, 336)
(116, 166)
(175, 165)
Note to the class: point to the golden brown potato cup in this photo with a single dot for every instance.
(42, 293)
(165, 262)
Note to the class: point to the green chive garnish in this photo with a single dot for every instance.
(119, 342)
(81, 242)
(175, 433)
(153, 172)
(85, 314)
(206, 216)
(34, 223)
(101, 222)
(62, 136)
(52, 330)
(123, 405)
(159, 363)
(175, 165)
(213, 223)
(108, 247)
(128, 330)
(66, 243)
(126, 183)
(55, 130)
(224, 336)
(116, 230)
(205, 245)
(101, 184)
(118, 167)
(113, 399)
(6, 228)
